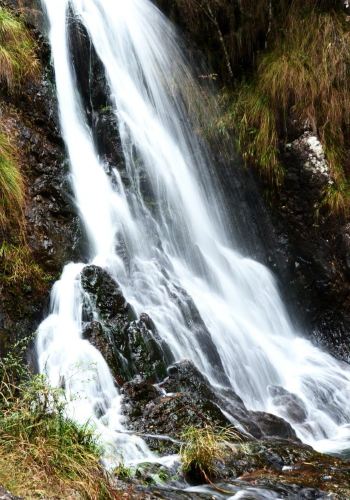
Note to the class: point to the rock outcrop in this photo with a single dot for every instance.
(187, 399)
(52, 229)
(130, 344)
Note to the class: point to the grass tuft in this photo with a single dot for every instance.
(11, 184)
(19, 267)
(18, 59)
(303, 76)
(203, 450)
(44, 454)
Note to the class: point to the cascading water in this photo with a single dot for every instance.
(209, 303)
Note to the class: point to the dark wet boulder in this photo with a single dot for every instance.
(148, 353)
(130, 345)
(272, 426)
(105, 295)
(163, 419)
(187, 399)
(289, 405)
(185, 377)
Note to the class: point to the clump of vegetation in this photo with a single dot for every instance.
(18, 266)
(304, 74)
(18, 64)
(18, 59)
(203, 449)
(42, 452)
(253, 120)
(123, 472)
(11, 184)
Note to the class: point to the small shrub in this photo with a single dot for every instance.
(204, 448)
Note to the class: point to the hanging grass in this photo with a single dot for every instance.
(254, 123)
(18, 65)
(304, 75)
(18, 59)
(11, 184)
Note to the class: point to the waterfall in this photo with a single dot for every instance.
(180, 265)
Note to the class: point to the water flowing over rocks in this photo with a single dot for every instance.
(186, 398)
(52, 227)
(161, 403)
(131, 346)
(309, 247)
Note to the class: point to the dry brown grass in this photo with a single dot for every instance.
(11, 184)
(18, 266)
(43, 454)
(18, 51)
(204, 448)
(305, 74)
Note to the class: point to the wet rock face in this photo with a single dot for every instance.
(95, 95)
(52, 227)
(162, 418)
(185, 377)
(130, 345)
(105, 294)
(315, 245)
(289, 405)
(186, 398)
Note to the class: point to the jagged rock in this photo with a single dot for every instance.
(272, 426)
(185, 377)
(105, 294)
(130, 345)
(162, 418)
(189, 395)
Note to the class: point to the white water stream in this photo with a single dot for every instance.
(180, 242)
